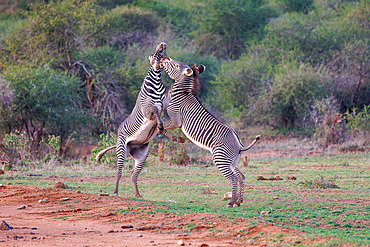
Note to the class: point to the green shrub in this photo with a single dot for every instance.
(294, 89)
(238, 83)
(329, 124)
(225, 26)
(105, 142)
(128, 25)
(54, 31)
(297, 6)
(44, 100)
(358, 121)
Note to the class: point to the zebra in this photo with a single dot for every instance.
(142, 125)
(186, 111)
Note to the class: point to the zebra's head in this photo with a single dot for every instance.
(178, 70)
(155, 59)
(186, 78)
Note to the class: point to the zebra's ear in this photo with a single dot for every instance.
(151, 59)
(188, 72)
(201, 68)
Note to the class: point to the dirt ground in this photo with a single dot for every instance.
(38, 217)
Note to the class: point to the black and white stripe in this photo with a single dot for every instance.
(201, 127)
(141, 126)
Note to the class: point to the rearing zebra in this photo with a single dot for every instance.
(201, 127)
(142, 125)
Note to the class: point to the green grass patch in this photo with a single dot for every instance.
(311, 203)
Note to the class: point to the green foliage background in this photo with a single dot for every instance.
(77, 65)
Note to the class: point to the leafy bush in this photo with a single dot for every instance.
(179, 16)
(105, 142)
(294, 88)
(44, 100)
(225, 26)
(316, 37)
(50, 34)
(329, 128)
(238, 83)
(297, 6)
(358, 121)
(18, 146)
(129, 25)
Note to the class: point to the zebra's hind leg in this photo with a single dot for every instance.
(241, 180)
(121, 151)
(140, 154)
(224, 166)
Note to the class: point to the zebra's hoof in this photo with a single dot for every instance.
(229, 205)
(236, 205)
(180, 139)
(138, 196)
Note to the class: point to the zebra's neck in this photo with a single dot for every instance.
(186, 86)
(153, 85)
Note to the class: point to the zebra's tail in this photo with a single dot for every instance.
(101, 153)
(256, 139)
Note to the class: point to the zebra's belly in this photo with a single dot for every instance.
(199, 144)
(144, 134)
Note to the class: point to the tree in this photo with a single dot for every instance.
(227, 25)
(43, 101)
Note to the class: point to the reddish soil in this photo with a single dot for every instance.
(94, 220)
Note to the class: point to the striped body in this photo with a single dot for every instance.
(201, 127)
(141, 126)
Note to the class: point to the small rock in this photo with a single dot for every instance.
(127, 227)
(104, 194)
(191, 201)
(227, 196)
(45, 200)
(35, 175)
(5, 226)
(181, 243)
(265, 212)
(21, 207)
(292, 178)
(203, 245)
(172, 201)
(1, 185)
(59, 185)
(275, 198)
(140, 235)
(111, 231)
(64, 199)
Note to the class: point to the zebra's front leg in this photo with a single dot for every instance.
(152, 113)
(140, 154)
(122, 151)
(169, 125)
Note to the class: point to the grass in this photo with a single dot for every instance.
(328, 197)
